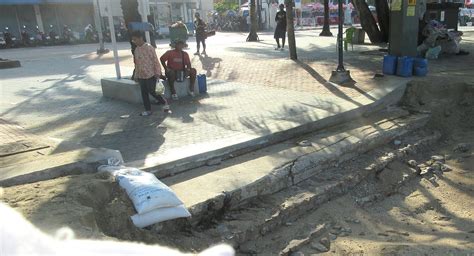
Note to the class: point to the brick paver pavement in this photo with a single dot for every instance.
(253, 91)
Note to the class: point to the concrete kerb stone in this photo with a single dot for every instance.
(174, 167)
(129, 91)
(306, 166)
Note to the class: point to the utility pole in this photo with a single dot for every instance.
(291, 29)
(340, 76)
(98, 25)
(112, 37)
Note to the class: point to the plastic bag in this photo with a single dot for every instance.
(433, 53)
(160, 87)
(159, 215)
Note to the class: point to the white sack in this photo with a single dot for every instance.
(159, 215)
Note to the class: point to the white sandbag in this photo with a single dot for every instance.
(159, 215)
(145, 190)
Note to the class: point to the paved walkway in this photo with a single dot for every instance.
(253, 91)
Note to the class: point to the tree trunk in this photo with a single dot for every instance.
(326, 30)
(130, 14)
(368, 22)
(290, 27)
(383, 18)
(253, 37)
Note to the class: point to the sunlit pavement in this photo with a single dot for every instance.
(253, 91)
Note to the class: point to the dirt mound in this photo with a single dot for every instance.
(451, 104)
(94, 206)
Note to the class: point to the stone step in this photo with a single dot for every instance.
(208, 192)
(288, 211)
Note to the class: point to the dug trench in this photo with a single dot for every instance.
(411, 195)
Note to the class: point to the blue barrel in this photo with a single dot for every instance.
(389, 64)
(202, 83)
(405, 66)
(420, 67)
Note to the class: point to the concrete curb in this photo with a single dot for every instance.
(300, 169)
(181, 165)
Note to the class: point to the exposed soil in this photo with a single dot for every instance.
(429, 214)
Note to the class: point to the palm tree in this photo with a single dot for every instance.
(130, 14)
(290, 27)
(368, 22)
(253, 37)
(326, 30)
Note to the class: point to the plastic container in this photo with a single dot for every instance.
(202, 83)
(405, 66)
(389, 64)
(420, 67)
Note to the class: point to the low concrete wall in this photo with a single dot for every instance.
(9, 64)
(129, 91)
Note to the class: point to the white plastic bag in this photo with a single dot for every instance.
(159, 215)
(145, 190)
(160, 87)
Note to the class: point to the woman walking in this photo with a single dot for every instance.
(201, 35)
(280, 30)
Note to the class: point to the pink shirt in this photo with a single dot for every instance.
(146, 62)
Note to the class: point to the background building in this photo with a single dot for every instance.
(77, 14)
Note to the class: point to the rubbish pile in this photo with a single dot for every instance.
(153, 200)
(439, 40)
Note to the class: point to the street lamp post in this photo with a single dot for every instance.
(340, 75)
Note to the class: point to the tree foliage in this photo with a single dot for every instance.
(223, 5)
(130, 14)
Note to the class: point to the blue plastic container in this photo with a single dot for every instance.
(420, 67)
(389, 64)
(420, 71)
(405, 66)
(202, 83)
(420, 62)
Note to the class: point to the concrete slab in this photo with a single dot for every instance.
(129, 91)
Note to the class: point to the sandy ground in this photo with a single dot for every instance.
(429, 215)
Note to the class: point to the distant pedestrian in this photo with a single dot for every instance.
(147, 72)
(201, 35)
(280, 30)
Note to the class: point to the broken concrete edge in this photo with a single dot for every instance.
(4, 64)
(298, 170)
(333, 189)
(297, 244)
(87, 162)
(329, 191)
(174, 167)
